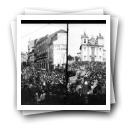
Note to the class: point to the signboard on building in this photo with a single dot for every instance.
(60, 47)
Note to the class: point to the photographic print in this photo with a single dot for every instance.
(63, 62)
(43, 64)
(87, 63)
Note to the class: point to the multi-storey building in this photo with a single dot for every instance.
(58, 47)
(31, 45)
(31, 52)
(31, 58)
(51, 50)
(41, 52)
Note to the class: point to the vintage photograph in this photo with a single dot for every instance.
(64, 62)
(87, 64)
(43, 64)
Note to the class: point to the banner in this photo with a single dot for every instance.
(82, 73)
(73, 79)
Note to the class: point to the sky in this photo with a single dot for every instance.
(75, 32)
(34, 31)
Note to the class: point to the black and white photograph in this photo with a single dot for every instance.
(87, 63)
(65, 63)
(43, 64)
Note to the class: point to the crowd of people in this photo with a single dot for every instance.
(82, 83)
(43, 86)
(89, 83)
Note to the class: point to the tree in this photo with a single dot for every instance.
(77, 58)
(70, 57)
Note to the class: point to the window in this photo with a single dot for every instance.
(93, 50)
(84, 48)
(100, 49)
(84, 40)
(84, 57)
(100, 57)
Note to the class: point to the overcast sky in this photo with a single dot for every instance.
(33, 31)
(75, 32)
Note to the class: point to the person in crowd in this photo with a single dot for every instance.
(54, 86)
(91, 81)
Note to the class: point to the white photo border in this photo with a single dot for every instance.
(63, 107)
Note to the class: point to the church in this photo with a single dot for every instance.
(92, 49)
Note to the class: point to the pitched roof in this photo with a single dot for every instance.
(51, 37)
(41, 39)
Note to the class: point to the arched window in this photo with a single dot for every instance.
(84, 40)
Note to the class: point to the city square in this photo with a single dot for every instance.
(64, 66)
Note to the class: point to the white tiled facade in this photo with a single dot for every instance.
(59, 50)
(92, 49)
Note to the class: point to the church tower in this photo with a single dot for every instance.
(101, 50)
(84, 47)
(84, 39)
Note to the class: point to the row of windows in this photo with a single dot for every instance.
(43, 47)
(42, 65)
(41, 52)
(42, 55)
(43, 42)
(96, 49)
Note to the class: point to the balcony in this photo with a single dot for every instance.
(42, 56)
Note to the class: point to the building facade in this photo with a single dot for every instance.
(57, 44)
(31, 58)
(50, 50)
(92, 49)
(31, 52)
(24, 57)
(31, 45)
(41, 52)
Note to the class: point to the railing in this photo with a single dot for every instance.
(44, 55)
